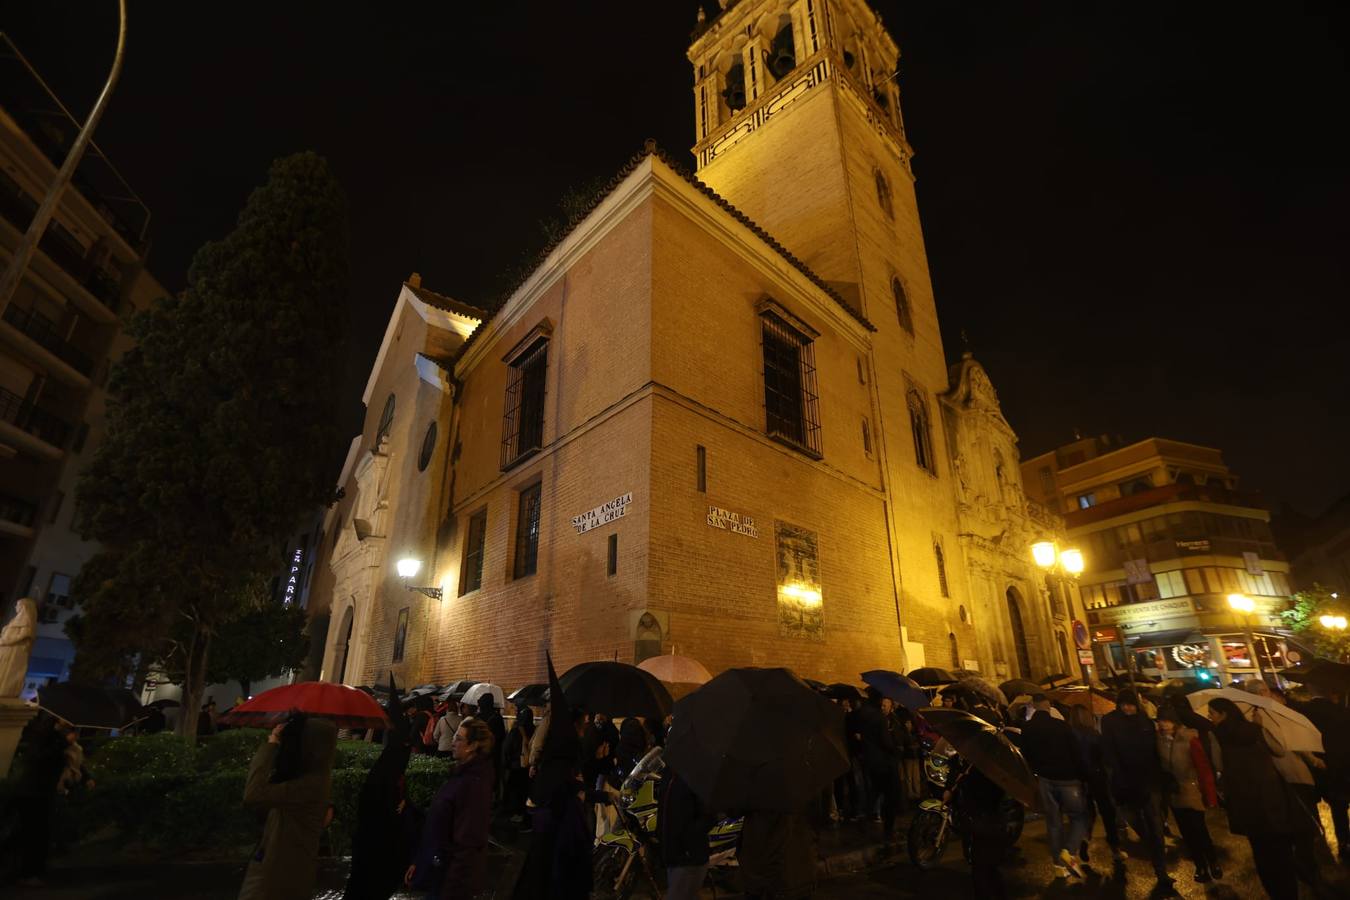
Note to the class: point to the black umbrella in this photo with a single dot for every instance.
(1319, 673)
(931, 676)
(900, 688)
(456, 689)
(985, 748)
(1018, 686)
(757, 739)
(529, 695)
(816, 685)
(163, 704)
(616, 689)
(86, 706)
(841, 691)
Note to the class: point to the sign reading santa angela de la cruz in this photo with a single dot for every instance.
(732, 521)
(602, 514)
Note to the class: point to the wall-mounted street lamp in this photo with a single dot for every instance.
(408, 568)
(1246, 605)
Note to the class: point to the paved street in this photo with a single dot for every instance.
(109, 874)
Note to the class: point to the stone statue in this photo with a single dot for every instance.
(16, 642)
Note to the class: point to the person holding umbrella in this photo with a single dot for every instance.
(881, 756)
(1130, 748)
(291, 779)
(1260, 806)
(1327, 711)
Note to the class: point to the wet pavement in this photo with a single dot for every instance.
(854, 865)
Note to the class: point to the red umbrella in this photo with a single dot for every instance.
(347, 706)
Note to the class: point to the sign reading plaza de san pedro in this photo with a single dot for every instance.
(732, 521)
(602, 514)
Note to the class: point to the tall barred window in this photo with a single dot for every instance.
(527, 532)
(791, 399)
(523, 422)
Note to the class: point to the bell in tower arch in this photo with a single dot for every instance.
(782, 58)
(734, 93)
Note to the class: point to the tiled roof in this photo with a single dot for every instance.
(446, 304)
(650, 149)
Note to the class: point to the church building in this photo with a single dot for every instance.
(717, 418)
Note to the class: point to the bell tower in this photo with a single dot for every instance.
(797, 118)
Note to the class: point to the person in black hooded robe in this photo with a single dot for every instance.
(386, 824)
(558, 863)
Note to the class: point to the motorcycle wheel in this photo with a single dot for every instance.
(1014, 817)
(924, 844)
(607, 863)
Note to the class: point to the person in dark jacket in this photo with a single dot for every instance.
(976, 802)
(777, 855)
(43, 761)
(206, 719)
(1331, 718)
(452, 859)
(1049, 747)
(558, 862)
(291, 778)
(490, 716)
(683, 825)
(1260, 806)
(386, 825)
(632, 743)
(1088, 741)
(881, 756)
(1130, 749)
(516, 762)
(860, 795)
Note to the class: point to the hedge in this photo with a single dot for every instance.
(158, 790)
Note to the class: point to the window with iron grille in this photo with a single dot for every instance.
(941, 569)
(920, 431)
(523, 423)
(902, 305)
(791, 400)
(527, 531)
(474, 543)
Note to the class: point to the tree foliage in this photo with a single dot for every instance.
(265, 641)
(1303, 618)
(220, 431)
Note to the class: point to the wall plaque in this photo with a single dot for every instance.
(800, 612)
(602, 514)
(732, 521)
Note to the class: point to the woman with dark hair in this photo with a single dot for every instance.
(1260, 806)
(452, 861)
(1189, 790)
(1089, 741)
(290, 778)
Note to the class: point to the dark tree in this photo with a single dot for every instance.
(222, 425)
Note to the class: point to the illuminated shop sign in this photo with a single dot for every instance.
(293, 580)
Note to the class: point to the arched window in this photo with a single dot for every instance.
(941, 570)
(386, 419)
(902, 305)
(428, 448)
(919, 430)
(884, 194)
(956, 653)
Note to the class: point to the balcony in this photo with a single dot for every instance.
(1168, 493)
(32, 427)
(45, 333)
(58, 253)
(17, 516)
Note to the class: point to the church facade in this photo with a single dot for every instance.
(717, 418)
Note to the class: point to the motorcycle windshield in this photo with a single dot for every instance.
(649, 766)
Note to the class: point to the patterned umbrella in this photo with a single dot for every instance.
(347, 706)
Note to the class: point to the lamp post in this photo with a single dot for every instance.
(1245, 605)
(408, 567)
(1060, 566)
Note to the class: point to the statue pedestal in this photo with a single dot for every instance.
(14, 715)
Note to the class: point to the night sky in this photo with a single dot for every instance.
(1135, 212)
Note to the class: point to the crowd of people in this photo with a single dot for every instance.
(1137, 769)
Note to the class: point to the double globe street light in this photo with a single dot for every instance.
(1246, 605)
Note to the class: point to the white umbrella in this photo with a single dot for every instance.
(676, 669)
(1290, 726)
(470, 698)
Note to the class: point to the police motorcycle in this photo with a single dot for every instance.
(631, 846)
(936, 822)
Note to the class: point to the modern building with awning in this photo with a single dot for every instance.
(1182, 577)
